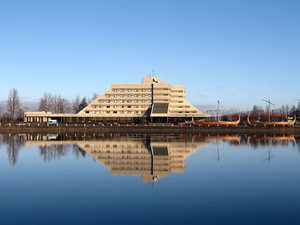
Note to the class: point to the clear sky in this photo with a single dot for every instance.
(237, 51)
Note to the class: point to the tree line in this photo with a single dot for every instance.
(14, 109)
(279, 114)
(283, 113)
(57, 104)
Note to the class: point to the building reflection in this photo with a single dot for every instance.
(152, 157)
(148, 155)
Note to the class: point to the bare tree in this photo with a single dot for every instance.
(55, 100)
(46, 103)
(94, 97)
(75, 104)
(13, 103)
(20, 115)
(293, 110)
(287, 109)
(255, 112)
(284, 110)
(63, 105)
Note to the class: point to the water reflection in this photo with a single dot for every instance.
(13, 143)
(150, 156)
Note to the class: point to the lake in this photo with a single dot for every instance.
(149, 179)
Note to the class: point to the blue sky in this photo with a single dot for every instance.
(237, 51)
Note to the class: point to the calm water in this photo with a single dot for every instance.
(149, 179)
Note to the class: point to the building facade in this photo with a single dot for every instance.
(151, 100)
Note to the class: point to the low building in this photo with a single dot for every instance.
(152, 100)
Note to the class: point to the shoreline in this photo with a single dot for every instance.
(152, 129)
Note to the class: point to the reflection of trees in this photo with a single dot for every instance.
(59, 150)
(1, 140)
(13, 142)
(261, 142)
(54, 151)
(77, 151)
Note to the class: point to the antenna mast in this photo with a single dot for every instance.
(218, 110)
(269, 108)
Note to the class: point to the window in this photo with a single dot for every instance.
(107, 96)
(143, 101)
(136, 106)
(93, 106)
(115, 112)
(143, 90)
(122, 90)
(115, 101)
(128, 96)
(122, 96)
(122, 112)
(129, 90)
(143, 106)
(136, 90)
(107, 101)
(129, 101)
(115, 90)
(166, 89)
(107, 106)
(180, 96)
(180, 91)
(150, 101)
(122, 101)
(101, 112)
(101, 101)
(150, 96)
(115, 96)
(101, 106)
(136, 112)
(129, 106)
(129, 112)
(122, 106)
(87, 111)
(180, 102)
(165, 94)
(136, 101)
(143, 96)
(107, 112)
(150, 90)
(114, 106)
(136, 96)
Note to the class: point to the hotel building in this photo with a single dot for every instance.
(152, 100)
